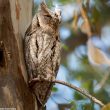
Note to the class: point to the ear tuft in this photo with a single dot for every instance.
(43, 7)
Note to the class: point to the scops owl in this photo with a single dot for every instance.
(42, 50)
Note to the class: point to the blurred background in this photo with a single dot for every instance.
(76, 65)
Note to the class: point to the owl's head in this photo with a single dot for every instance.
(48, 19)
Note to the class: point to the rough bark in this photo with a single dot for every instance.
(15, 16)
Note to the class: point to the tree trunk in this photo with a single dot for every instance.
(15, 16)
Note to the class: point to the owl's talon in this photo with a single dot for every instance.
(1, 43)
(33, 81)
(50, 79)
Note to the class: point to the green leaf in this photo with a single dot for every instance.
(66, 1)
(54, 89)
(74, 106)
(65, 47)
(78, 96)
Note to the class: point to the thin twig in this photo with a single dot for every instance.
(103, 81)
(82, 91)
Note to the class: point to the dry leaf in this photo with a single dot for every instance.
(106, 107)
(96, 56)
(75, 21)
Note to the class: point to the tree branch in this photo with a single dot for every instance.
(82, 91)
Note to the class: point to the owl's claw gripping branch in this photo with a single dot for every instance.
(82, 91)
(34, 80)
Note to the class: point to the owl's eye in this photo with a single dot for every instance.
(56, 15)
(48, 16)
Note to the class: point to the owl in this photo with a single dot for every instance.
(42, 49)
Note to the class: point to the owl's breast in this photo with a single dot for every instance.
(47, 55)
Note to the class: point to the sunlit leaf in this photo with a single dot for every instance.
(75, 21)
(106, 107)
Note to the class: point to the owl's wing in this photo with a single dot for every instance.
(30, 47)
(57, 55)
(33, 26)
(31, 55)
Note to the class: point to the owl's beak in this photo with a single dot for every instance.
(59, 17)
(58, 13)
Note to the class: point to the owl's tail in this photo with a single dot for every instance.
(40, 106)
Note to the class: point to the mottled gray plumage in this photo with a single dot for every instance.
(42, 50)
